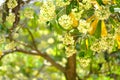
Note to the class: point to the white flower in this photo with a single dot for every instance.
(62, 3)
(77, 14)
(10, 46)
(103, 13)
(12, 4)
(65, 21)
(47, 11)
(28, 13)
(68, 40)
(49, 51)
(84, 62)
(60, 46)
(50, 41)
(70, 50)
(10, 18)
(103, 44)
(83, 26)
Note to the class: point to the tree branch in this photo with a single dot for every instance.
(6, 52)
(37, 53)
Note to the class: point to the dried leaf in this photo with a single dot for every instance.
(118, 40)
(93, 26)
(75, 21)
(103, 29)
(86, 42)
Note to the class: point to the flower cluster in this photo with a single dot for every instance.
(83, 26)
(102, 13)
(10, 46)
(105, 43)
(10, 18)
(12, 4)
(62, 3)
(65, 21)
(69, 45)
(86, 4)
(68, 39)
(84, 62)
(70, 50)
(77, 13)
(117, 30)
(47, 11)
(28, 13)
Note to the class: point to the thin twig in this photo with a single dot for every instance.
(32, 37)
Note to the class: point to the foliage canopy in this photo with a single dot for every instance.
(78, 39)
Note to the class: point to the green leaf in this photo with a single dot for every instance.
(97, 33)
(118, 2)
(75, 32)
(100, 2)
(73, 4)
(111, 9)
(111, 20)
(82, 54)
(38, 3)
(54, 25)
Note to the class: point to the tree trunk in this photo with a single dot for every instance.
(70, 72)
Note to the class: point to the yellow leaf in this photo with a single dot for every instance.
(93, 26)
(103, 29)
(86, 42)
(75, 21)
(118, 40)
(114, 1)
(91, 18)
(1, 53)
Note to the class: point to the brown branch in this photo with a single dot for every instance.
(6, 52)
(17, 14)
(24, 44)
(45, 56)
(37, 53)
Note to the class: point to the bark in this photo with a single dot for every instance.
(70, 72)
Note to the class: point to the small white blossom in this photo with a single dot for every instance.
(10, 18)
(62, 3)
(47, 11)
(68, 39)
(83, 26)
(50, 41)
(10, 46)
(84, 62)
(103, 13)
(65, 21)
(70, 50)
(105, 43)
(12, 4)
(28, 13)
